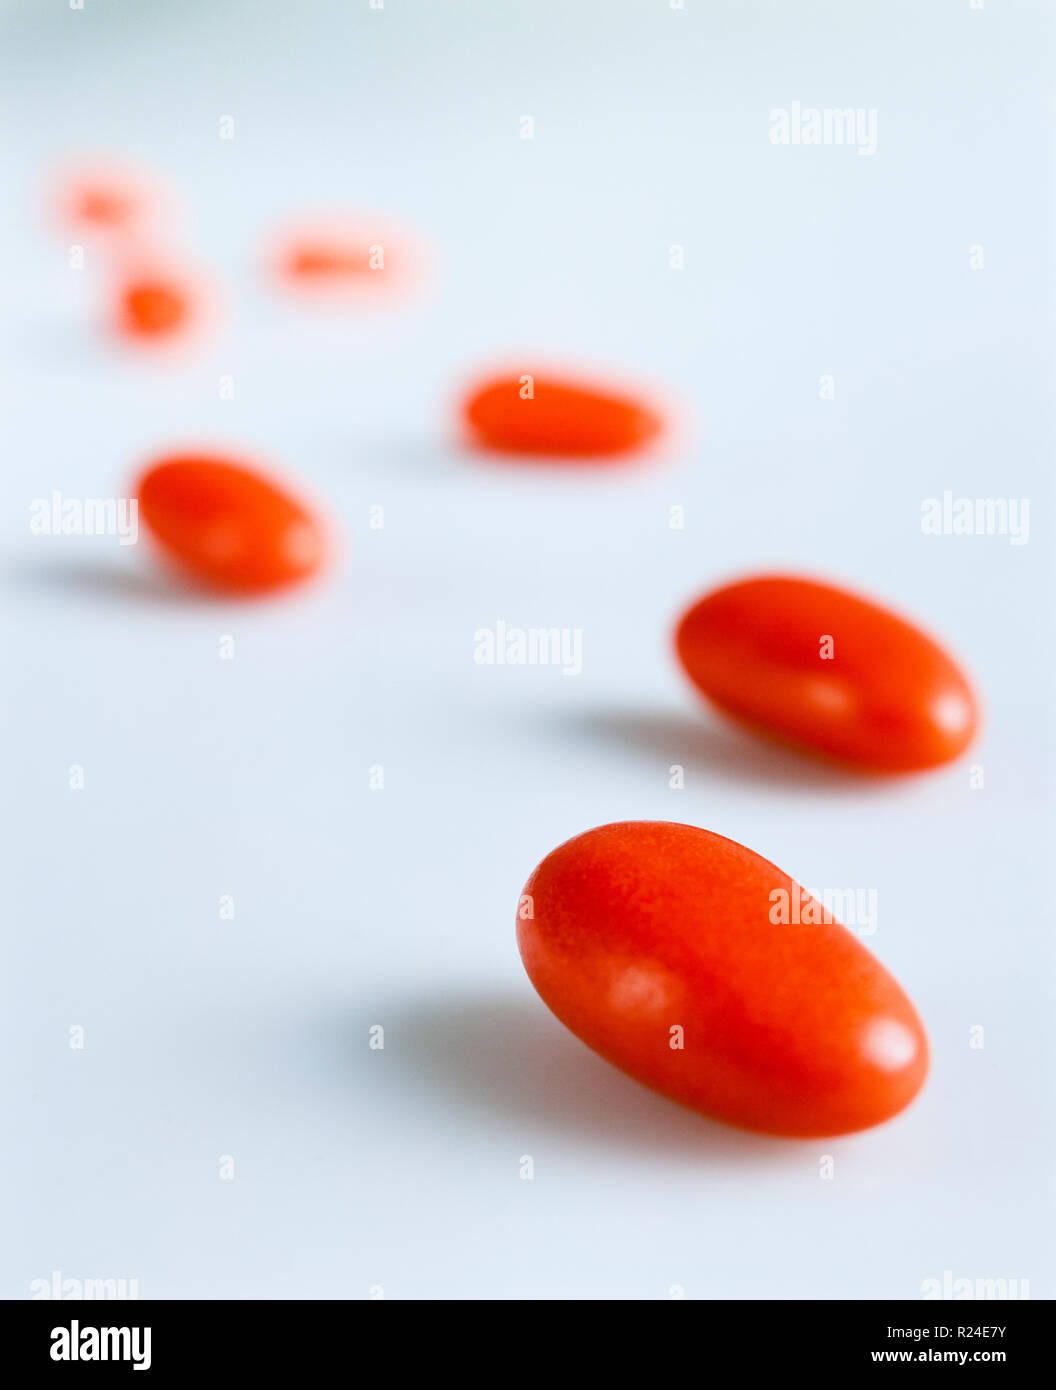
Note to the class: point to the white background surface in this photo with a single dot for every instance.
(248, 1038)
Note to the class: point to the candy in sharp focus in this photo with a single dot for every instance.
(700, 969)
(828, 671)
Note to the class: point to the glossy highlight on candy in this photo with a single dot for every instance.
(829, 672)
(663, 947)
(228, 525)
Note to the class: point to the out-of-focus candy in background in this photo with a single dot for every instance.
(560, 416)
(160, 301)
(152, 294)
(229, 525)
(349, 259)
(152, 306)
(111, 198)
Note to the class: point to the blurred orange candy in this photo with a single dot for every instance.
(153, 308)
(550, 415)
(311, 260)
(349, 258)
(109, 197)
(159, 302)
(229, 525)
(104, 207)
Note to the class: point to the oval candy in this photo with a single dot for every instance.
(702, 970)
(829, 672)
(153, 308)
(548, 415)
(227, 524)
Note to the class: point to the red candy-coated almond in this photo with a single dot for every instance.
(546, 415)
(830, 672)
(665, 949)
(228, 525)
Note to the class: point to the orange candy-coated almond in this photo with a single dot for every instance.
(229, 526)
(705, 972)
(110, 197)
(312, 260)
(353, 259)
(100, 206)
(154, 308)
(830, 672)
(544, 415)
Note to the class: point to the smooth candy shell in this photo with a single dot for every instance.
(788, 1028)
(562, 417)
(228, 525)
(888, 700)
